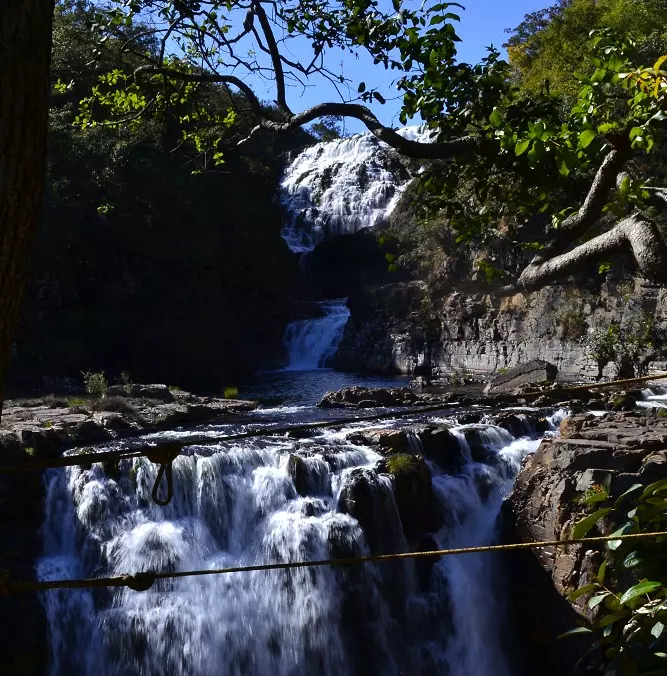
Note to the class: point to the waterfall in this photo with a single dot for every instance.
(263, 501)
(654, 397)
(311, 342)
(342, 186)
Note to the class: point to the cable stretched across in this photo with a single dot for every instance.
(144, 581)
(39, 465)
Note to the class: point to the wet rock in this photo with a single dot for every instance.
(368, 403)
(159, 392)
(514, 424)
(413, 492)
(533, 372)
(371, 502)
(621, 402)
(90, 432)
(296, 468)
(443, 448)
(388, 440)
(469, 418)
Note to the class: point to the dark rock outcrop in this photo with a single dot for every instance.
(632, 448)
(367, 397)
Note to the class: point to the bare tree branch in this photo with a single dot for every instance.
(634, 234)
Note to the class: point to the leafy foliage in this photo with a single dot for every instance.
(96, 383)
(628, 597)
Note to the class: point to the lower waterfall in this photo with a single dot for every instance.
(311, 342)
(243, 503)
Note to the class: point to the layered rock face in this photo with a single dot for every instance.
(405, 328)
(632, 448)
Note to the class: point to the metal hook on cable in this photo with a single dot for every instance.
(164, 455)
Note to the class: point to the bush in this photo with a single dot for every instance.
(96, 383)
(176, 388)
(231, 393)
(628, 596)
(76, 401)
(113, 405)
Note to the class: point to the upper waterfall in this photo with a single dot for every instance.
(339, 187)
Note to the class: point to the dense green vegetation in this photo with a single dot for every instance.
(550, 45)
(627, 598)
(141, 265)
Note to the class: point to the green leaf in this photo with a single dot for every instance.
(624, 188)
(602, 571)
(586, 589)
(496, 118)
(640, 589)
(652, 488)
(389, 257)
(521, 147)
(587, 137)
(597, 599)
(624, 495)
(657, 629)
(582, 527)
(632, 560)
(575, 632)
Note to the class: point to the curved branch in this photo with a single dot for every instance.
(426, 151)
(577, 224)
(635, 234)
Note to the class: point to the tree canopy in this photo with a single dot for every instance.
(508, 149)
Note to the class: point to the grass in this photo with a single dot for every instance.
(76, 401)
(231, 393)
(401, 462)
(175, 388)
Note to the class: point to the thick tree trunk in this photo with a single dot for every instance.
(25, 51)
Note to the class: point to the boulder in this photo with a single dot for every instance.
(388, 440)
(367, 499)
(413, 493)
(159, 392)
(534, 372)
(443, 448)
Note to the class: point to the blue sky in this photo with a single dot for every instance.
(482, 23)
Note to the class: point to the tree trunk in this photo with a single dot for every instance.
(25, 52)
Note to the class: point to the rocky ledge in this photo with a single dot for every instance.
(52, 424)
(629, 448)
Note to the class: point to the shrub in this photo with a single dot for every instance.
(176, 388)
(113, 405)
(629, 592)
(126, 382)
(76, 401)
(231, 393)
(96, 383)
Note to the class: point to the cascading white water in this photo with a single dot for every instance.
(339, 187)
(239, 504)
(311, 342)
(654, 397)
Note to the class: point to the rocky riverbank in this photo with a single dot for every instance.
(52, 424)
(629, 447)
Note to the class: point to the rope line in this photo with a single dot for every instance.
(144, 581)
(102, 456)
(164, 453)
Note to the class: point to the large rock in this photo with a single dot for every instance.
(632, 448)
(534, 372)
(413, 492)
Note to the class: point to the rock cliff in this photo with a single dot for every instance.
(405, 328)
(629, 446)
